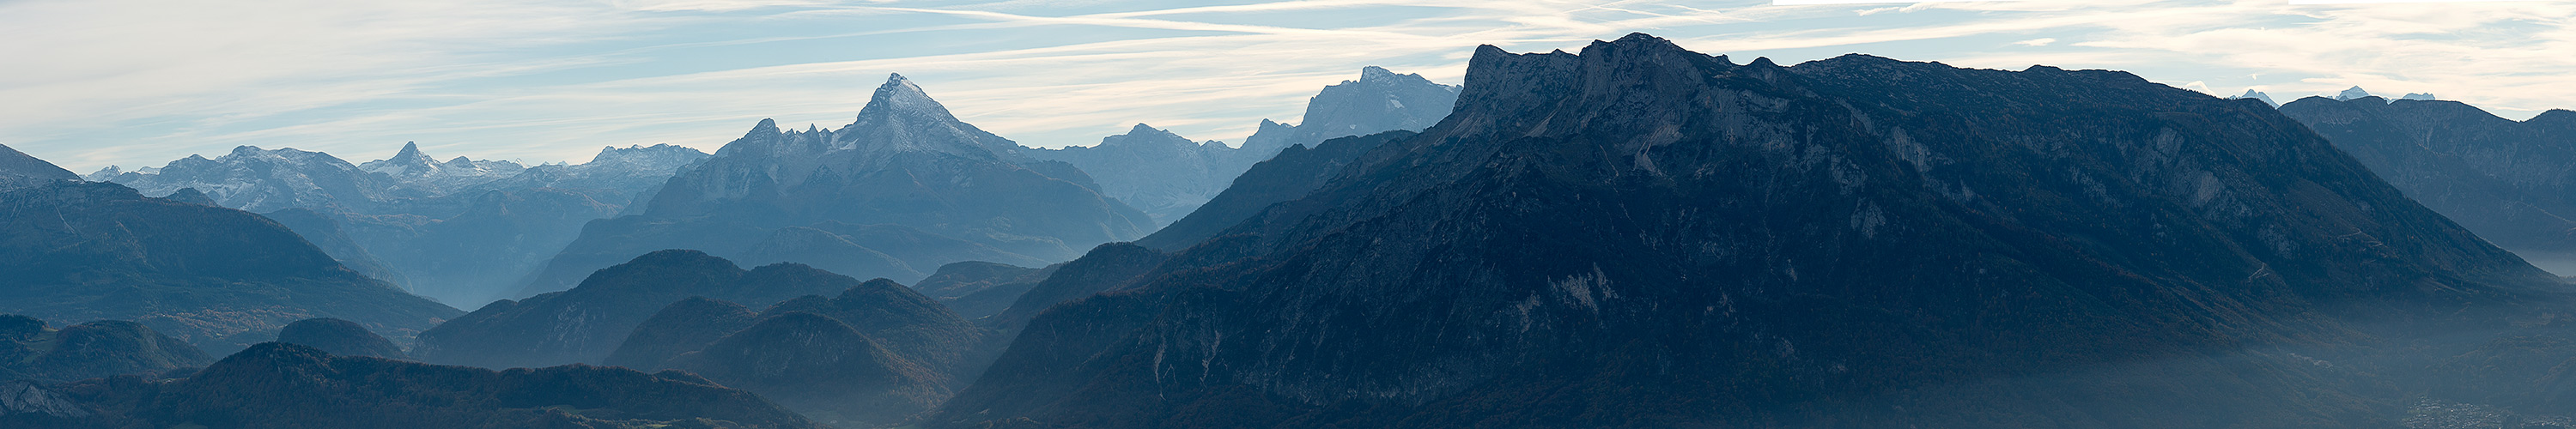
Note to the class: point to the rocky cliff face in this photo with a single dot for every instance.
(2514, 183)
(1639, 235)
(906, 162)
(79, 251)
(1379, 101)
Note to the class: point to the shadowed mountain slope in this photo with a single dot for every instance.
(340, 338)
(2513, 183)
(1643, 236)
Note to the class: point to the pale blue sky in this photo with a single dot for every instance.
(88, 83)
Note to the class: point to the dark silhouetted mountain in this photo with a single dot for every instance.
(419, 170)
(1161, 173)
(906, 161)
(339, 337)
(876, 354)
(1379, 101)
(278, 385)
(821, 367)
(20, 171)
(828, 251)
(2514, 183)
(101, 251)
(1643, 236)
(191, 196)
(679, 328)
(1288, 176)
(584, 324)
(325, 233)
(903, 321)
(976, 289)
(31, 351)
(1106, 267)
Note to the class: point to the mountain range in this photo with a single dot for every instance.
(220, 278)
(905, 182)
(1638, 235)
(462, 231)
(1169, 176)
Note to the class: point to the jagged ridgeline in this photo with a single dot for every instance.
(1169, 176)
(462, 231)
(896, 194)
(1643, 236)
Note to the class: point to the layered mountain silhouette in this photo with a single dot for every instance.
(463, 231)
(874, 355)
(2512, 182)
(1643, 236)
(279, 385)
(339, 338)
(81, 251)
(906, 169)
(29, 350)
(585, 324)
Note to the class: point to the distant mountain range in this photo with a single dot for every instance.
(902, 190)
(1169, 176)
(1642, 236)
(220, 278)
(463, 231)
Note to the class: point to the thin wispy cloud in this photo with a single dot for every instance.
(140, 82)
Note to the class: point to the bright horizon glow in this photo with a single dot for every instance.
(138, 83)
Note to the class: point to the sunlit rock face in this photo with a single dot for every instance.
(1638, 235)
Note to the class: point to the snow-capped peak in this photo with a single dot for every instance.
(899, 96)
